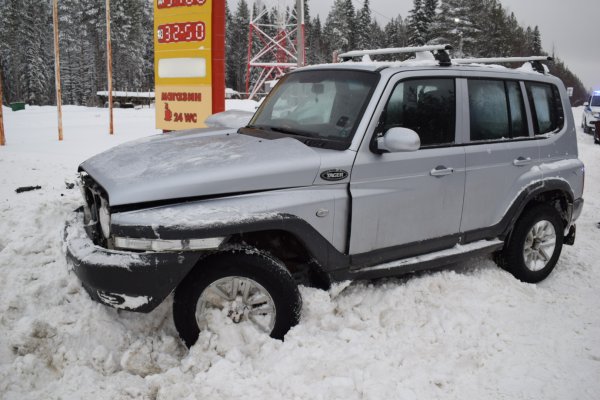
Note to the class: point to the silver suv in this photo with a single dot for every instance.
(354, 170)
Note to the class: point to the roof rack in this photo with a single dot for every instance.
(441, 56)
(534, 60)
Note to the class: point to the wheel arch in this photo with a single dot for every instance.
(553, 191)
(556, 192)
(301, 258)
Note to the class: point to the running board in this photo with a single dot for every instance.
(429, 260)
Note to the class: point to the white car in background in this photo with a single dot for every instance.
(591, 112)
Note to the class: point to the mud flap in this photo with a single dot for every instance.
(570, 238)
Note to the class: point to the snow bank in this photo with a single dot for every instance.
(473, 332)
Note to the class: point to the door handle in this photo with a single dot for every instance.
(520, 161)
(441, 170)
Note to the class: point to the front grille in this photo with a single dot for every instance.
(92, 197)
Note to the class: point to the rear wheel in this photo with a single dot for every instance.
(535, 244)
(586, 128)
(242, 286)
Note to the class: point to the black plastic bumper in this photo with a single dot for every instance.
(120, 279)
(577, 207)
(569, 238)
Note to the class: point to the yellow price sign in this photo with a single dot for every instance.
(183, 61)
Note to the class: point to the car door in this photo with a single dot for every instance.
(501, 154)
(408, 203)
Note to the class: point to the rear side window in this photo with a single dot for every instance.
(427, 106)
(496, 110)
(546, 107)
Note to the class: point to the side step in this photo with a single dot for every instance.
(428, 261)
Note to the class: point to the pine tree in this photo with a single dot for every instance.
(38, 67)
(365, 36)
(26, 45)
(317, 48)
(396, 33)
(230, 65)
(430, 12)
(241, 21)
(339, 26)
(536, 45)
(417, 26)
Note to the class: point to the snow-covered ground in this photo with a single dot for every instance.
(473, 332)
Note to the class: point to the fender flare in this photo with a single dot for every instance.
(318, 246)
(503, 228)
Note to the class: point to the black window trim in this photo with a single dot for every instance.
(332, 144)
(556, 102)
(377, 133)
(510, 139)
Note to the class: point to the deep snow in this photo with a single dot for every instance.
(473, 332)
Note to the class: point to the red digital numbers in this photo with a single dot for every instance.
(181, 32)
(179, 3)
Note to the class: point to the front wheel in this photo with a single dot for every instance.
(243, 285)
(535, 244)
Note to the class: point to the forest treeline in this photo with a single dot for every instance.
(476, 28)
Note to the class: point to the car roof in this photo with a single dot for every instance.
(390, 68)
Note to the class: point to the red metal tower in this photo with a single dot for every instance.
(272, 56)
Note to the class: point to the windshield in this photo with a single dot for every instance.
(325, 104)
(595, 101)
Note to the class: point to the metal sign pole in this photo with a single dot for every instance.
(57, 70)
(109, 68)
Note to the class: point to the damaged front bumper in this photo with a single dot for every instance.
(126, 280)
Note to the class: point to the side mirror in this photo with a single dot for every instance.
(399, 139)
(586, 104)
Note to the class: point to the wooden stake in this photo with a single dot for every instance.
(300, 32)
(2, 138)
(109, 67)
(57, 70)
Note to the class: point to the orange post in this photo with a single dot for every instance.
(57, 69)
(218, 56)
(109, 67)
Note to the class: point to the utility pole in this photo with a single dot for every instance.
(109, 68)
(301, 38)
(460, 38)
(57, 70)
(2, 138)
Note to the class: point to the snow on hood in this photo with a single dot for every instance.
(200, 163)
(229, 119)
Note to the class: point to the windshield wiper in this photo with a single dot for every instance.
(293, 132)
(262, 127)
(286, 131)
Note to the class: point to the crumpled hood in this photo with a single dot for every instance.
(200, 163)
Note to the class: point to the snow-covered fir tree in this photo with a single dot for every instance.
(536, 44)
(339, 27)
(417, 24)
(365, 39)
(482, 27)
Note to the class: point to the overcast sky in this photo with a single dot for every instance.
(571, 26)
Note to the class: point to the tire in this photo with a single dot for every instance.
(527, 239)
(250, 268)
(586, 128)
